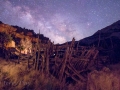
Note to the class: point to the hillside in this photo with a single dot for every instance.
(107, 37)
(107, 40)
(19, 33)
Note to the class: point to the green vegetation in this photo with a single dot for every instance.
(21, 47)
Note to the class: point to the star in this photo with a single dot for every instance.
(63, 19)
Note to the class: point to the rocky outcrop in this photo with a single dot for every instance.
(30, 34)
(11, 44)
(7, 28)
(21, 38)
(19, 33)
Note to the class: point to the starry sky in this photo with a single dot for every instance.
(61, 20)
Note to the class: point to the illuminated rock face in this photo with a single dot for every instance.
(11, 44)
(21, 37)
(14, 31)
(27, 45)
(25, 51)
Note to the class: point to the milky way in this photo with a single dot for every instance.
(61, 20)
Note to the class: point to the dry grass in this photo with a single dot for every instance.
(105, 79)
(18, 77)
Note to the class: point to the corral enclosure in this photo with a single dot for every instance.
(70, 63)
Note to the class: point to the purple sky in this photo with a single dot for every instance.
(61, 20)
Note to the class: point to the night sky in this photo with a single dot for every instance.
(61, 20)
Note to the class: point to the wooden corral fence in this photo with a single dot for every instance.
(71, 66)
(62, 62)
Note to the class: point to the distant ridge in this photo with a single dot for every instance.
(108, 35)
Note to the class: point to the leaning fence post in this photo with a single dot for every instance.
(47, 56)
(61, 73)
(37, 53)
(67, 58)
